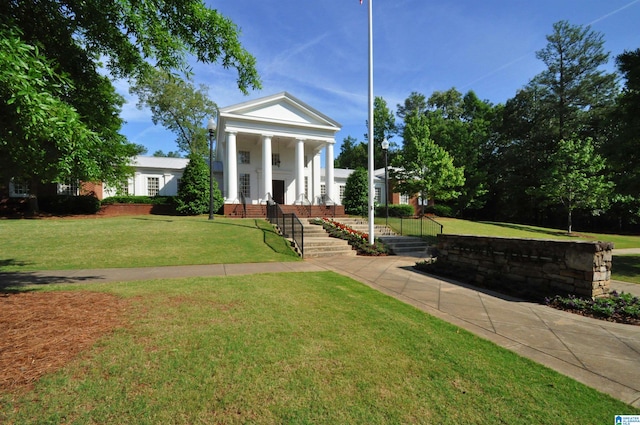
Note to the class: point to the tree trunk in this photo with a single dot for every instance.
(33, 207)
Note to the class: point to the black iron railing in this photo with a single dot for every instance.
(243, 201)
(328, 202)
(306, 203)
(289, 224)
(419, 226)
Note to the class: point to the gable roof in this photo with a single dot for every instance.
(279, 110)
(281, 107)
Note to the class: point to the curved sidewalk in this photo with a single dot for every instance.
(603, 355)
(600, 354)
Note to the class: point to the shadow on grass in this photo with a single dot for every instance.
(525, 228)
(627, 266)
(17, 281)
(13, 282)
(243, 222)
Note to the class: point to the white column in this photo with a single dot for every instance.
(299, 169)
(267, 168)
(221, 158)
(316, 193)
(232, 168)
(328, 178)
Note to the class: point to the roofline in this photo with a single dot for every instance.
(227, 111)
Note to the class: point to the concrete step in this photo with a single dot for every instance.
(327, 241)
(362, 225)
(318, 243)
(405, 244)
(320, 253)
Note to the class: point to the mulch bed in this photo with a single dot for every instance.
(40, 332)
(616, 318)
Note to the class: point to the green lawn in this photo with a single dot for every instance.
(454, 226)
(138, 241)
(313, 348)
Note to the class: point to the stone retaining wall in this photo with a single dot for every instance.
(529, 267)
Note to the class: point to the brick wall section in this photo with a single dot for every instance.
(531, 267)
(135, 209)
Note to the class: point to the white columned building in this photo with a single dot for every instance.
(272, 147)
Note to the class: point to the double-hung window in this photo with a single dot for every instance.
(153, 186)
(244, 157)
(245, 185)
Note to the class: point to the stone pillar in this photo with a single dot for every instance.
(299, 171)
(329, 176)
(267, 167)
(232, 168)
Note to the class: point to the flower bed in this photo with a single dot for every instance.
(358, 240)
(617, 307)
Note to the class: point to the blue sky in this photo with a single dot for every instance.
(317, 50)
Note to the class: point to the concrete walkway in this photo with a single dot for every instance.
(603, 355)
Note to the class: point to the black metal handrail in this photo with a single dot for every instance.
(420, 226)
(243, 200)
(289, 225)
(307, 203)
(326, 201)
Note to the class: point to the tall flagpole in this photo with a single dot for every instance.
(371, 142)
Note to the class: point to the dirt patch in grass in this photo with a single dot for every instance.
(42, 331)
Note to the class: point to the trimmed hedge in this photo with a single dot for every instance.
(440, 210)
(396, 210)
(153, 200)
(64, 204)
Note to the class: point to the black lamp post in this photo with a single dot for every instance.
(385, 148)
(211, 126)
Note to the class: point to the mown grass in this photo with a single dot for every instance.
(626, 267)
(138, 241)
(296, 348)
(466, 227)
(454, 226)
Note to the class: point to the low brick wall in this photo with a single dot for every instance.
(528, 267)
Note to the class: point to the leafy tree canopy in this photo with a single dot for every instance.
(423, 167)
(353, 154)
(574, 84)
(576, 179)
(171, 154)
(60, 115)
(179, 107)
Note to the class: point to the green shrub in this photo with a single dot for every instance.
(153, 200)
(396, 210)
(356, 193)
(64, 204)
(193, 193)
(620, 307)
(439, 210)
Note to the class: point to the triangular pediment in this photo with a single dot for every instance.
(280, 108)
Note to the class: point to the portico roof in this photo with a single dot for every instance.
(278, 115)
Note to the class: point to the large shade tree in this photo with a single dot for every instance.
(179, 106)
(60, 115)
(464, 126)
(424, 168)
(572, 96)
